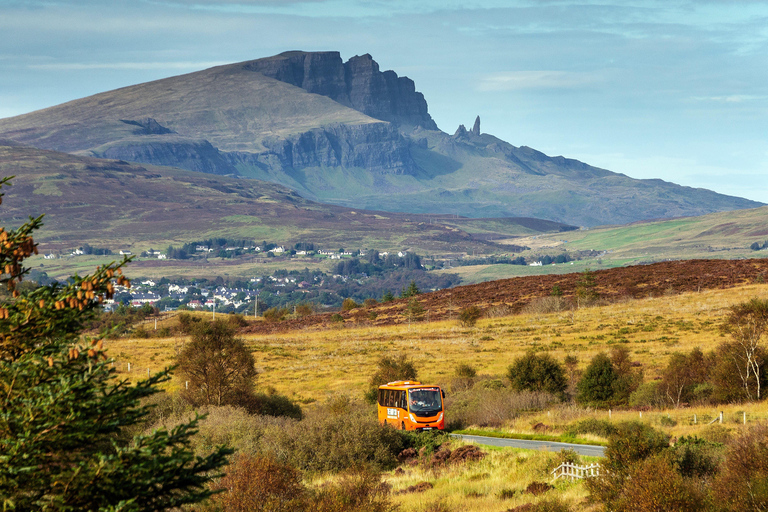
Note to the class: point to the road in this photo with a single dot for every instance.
(551, 446)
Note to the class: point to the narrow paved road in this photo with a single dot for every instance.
(550, 446)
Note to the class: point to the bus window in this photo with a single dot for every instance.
(425, 401)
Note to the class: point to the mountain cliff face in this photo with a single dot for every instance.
(349, 134)
(357, 83)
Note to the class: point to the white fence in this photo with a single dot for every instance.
(573, 471)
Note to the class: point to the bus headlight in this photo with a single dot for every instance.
(441, 417)
(412, 418)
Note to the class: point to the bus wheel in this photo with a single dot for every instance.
(402, 425)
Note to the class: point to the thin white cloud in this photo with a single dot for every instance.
(80, 66)
(536, 79)
(733, 98)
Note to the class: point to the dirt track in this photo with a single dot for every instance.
(636, 281)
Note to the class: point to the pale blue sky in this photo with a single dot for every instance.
(676, 90)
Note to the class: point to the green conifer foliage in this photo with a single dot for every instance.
(64, 412)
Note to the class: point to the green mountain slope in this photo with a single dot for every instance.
(346, 134)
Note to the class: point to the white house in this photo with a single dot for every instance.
(50, 256)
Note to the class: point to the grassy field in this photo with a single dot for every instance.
(313, 366)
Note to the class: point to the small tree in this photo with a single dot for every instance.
(586, 288)
(538, 372)
(596, 384)
(219, 367)
(469, 316)
(389, 369)
(410, 291)
(746, 324)
(414, 310)
(387, 297)
(681, 376)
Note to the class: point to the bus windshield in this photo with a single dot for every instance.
(425, 401)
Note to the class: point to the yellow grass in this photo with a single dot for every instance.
(311, 365)
(316, 363)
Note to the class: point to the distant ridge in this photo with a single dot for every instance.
(349, 134)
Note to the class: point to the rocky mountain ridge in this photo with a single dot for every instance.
(348, 134)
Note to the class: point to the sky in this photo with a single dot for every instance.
(672, 89)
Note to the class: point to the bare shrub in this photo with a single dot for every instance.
(492, 407)
(546, 305)
(498, 311)
(369, 303)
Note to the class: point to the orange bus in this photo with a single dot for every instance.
(411, 405)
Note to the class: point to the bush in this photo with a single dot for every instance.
(647, 395)
(696, 457)
(275, 314)
(469, 316)
(258, 483)
(743, 480)
(369, 303)
(654, 485)
(303, 310)
(602, 428)
(631, 442)
(464, 377)
(338, 442)
(237, 321)
(273, 404)
(596, 384)
(546, 305)
(349, 304)
(538, 372)
(337, 318)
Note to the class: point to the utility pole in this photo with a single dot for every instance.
(214, 307)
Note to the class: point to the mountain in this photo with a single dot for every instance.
(118, 205)
(349, 134)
